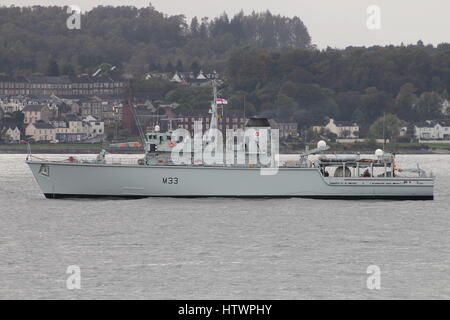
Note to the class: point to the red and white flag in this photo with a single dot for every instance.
(221, 101)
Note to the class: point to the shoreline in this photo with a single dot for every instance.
(69, 151)
(140, 151)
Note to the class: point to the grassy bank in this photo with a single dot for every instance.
(63, 148)
(42, 146)
(407, 148)
(290, 147)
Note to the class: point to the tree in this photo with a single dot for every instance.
(195, 27)
(285, 106)
(68, 70)
(374, 102)
(18, 118)
(348, 102)
(429, 106)
(53, 69)
(405, 102)
(389, 124)
(436, 84)
(169, 67)
(195, 68)
(153, 66)
(3, 135)
(179, 67)
(204, 28)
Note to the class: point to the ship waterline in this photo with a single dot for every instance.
(60, 180)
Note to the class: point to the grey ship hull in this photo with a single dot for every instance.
(61, 180)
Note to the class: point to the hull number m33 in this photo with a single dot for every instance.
(170, 180)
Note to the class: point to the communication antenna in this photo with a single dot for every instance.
(244, 107)
(384, 130)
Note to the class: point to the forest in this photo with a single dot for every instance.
(135, 39)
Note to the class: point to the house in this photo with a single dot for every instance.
(201, 76)
(62, 85)
(40, 131)
(11, 106)
(188, 78)
(201, 80)
(10, 133)
(342, 129)
(92, 106)
(75, 124)
(432, 130)
(233, 121)
(89, 86)
(144, 105)
(68, 137)
(13, 86)
(147, 100)
(94, 127)
(286, 129)
(75, 108)
(403, 131)
(71, 128)
(156, 75)
(180, 77)
(36, 112)
(104, 108)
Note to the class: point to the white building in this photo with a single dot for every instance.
(342, 129)
(93, 127)
(432, 130)
(201, 76)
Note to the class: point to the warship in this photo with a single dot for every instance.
(159, 174)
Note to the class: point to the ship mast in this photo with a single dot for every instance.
(213, 110)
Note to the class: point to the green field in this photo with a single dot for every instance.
(338, 147)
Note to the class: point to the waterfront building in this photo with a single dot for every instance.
(62, 85)
(432, 130)
(36, 112)
(342, 129)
